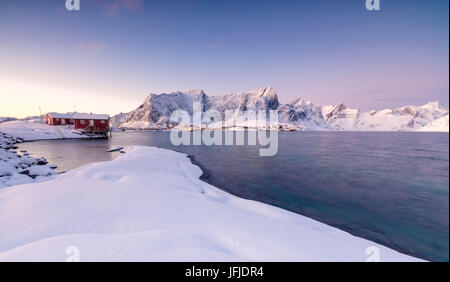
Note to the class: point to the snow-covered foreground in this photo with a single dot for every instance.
(30, 130)
(149, 205)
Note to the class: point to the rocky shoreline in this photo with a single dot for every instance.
(19, 167)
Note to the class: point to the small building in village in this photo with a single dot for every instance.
(83, 122)
(92, 123)
(59, 119)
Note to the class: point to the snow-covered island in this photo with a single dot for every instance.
(149, 205)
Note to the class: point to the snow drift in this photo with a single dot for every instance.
(149, 205)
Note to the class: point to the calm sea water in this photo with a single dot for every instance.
(388, 187)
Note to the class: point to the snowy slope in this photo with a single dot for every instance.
(438, 125)
(302, 115)
(155, 112)
(118, 119)
(149, 205)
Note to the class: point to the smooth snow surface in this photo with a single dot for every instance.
(149, 205)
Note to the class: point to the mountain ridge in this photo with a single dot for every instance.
(155, 111)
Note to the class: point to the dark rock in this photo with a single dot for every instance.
(26, 172)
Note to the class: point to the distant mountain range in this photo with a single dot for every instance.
(155, 112)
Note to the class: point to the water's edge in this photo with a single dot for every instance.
(207, 178)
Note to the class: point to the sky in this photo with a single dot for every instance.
(106, 57)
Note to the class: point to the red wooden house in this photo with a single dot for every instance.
(59, 119)
(87, 123)
(91, 123)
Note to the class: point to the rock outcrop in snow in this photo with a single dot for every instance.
(155, 112)
(19, 167)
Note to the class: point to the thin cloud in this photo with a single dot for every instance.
(92, 46)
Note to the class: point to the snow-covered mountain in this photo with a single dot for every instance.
(155, 111)
(302, 115)
(117, 119)
(408, 118)
(438, 125)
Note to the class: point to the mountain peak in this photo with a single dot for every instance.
(434, 105)
(300, 102)
(196, 92)
(265, 92)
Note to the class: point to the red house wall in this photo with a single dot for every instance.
(70, 121)
(99, 125)
(58, 121)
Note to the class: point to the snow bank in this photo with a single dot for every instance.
(30, 130)
(149, 205)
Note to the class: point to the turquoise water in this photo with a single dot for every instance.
(388, 187)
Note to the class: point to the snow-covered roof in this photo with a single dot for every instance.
(59, 115)
(78, 116)
(90, 116)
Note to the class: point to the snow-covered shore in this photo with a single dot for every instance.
(31, 130)
(19, 167)
(149, 205)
